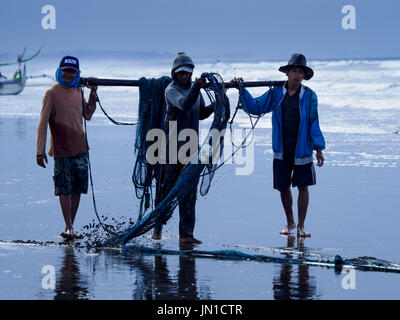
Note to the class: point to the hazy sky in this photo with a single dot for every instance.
(252, 29)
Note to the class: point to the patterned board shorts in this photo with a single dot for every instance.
(71, 174)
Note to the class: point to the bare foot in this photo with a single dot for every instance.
(302, 233)
(69, 234)
(77, 236)
(156, 235)
(288, 228)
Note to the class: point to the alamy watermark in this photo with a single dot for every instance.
(349, 20)
(49, 19)
(49, 280)
(349, 279)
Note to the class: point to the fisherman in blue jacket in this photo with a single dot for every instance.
(295, 135)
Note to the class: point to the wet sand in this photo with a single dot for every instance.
(353, 212)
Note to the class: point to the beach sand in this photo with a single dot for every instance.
(353, 212)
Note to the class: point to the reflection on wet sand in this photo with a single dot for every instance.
(287, 285)
(70, 283)
(152, 278)
(155, 281)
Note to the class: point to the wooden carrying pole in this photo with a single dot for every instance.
(135, 83)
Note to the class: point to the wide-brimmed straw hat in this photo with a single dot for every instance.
(298, 60)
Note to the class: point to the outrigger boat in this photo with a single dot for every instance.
(15, 85)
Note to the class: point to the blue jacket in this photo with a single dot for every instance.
(310, 136)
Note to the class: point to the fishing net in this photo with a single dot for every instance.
(151, 113)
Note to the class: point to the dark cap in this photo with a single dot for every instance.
(69, 62)
(182, 62)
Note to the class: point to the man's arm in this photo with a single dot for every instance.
(90, 106)
(255, 106)
(181, 102)
(317, 138)
(320, 158)
(41, 131)
(205, 111)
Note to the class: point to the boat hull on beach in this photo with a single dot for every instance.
(13, 86)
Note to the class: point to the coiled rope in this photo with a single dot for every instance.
(188, 176)
(151, 115)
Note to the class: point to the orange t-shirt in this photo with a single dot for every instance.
(62, 110)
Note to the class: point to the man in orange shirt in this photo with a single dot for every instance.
(63, 110)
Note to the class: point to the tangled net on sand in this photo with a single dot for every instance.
(94, 235)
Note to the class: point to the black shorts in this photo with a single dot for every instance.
(286, 173)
